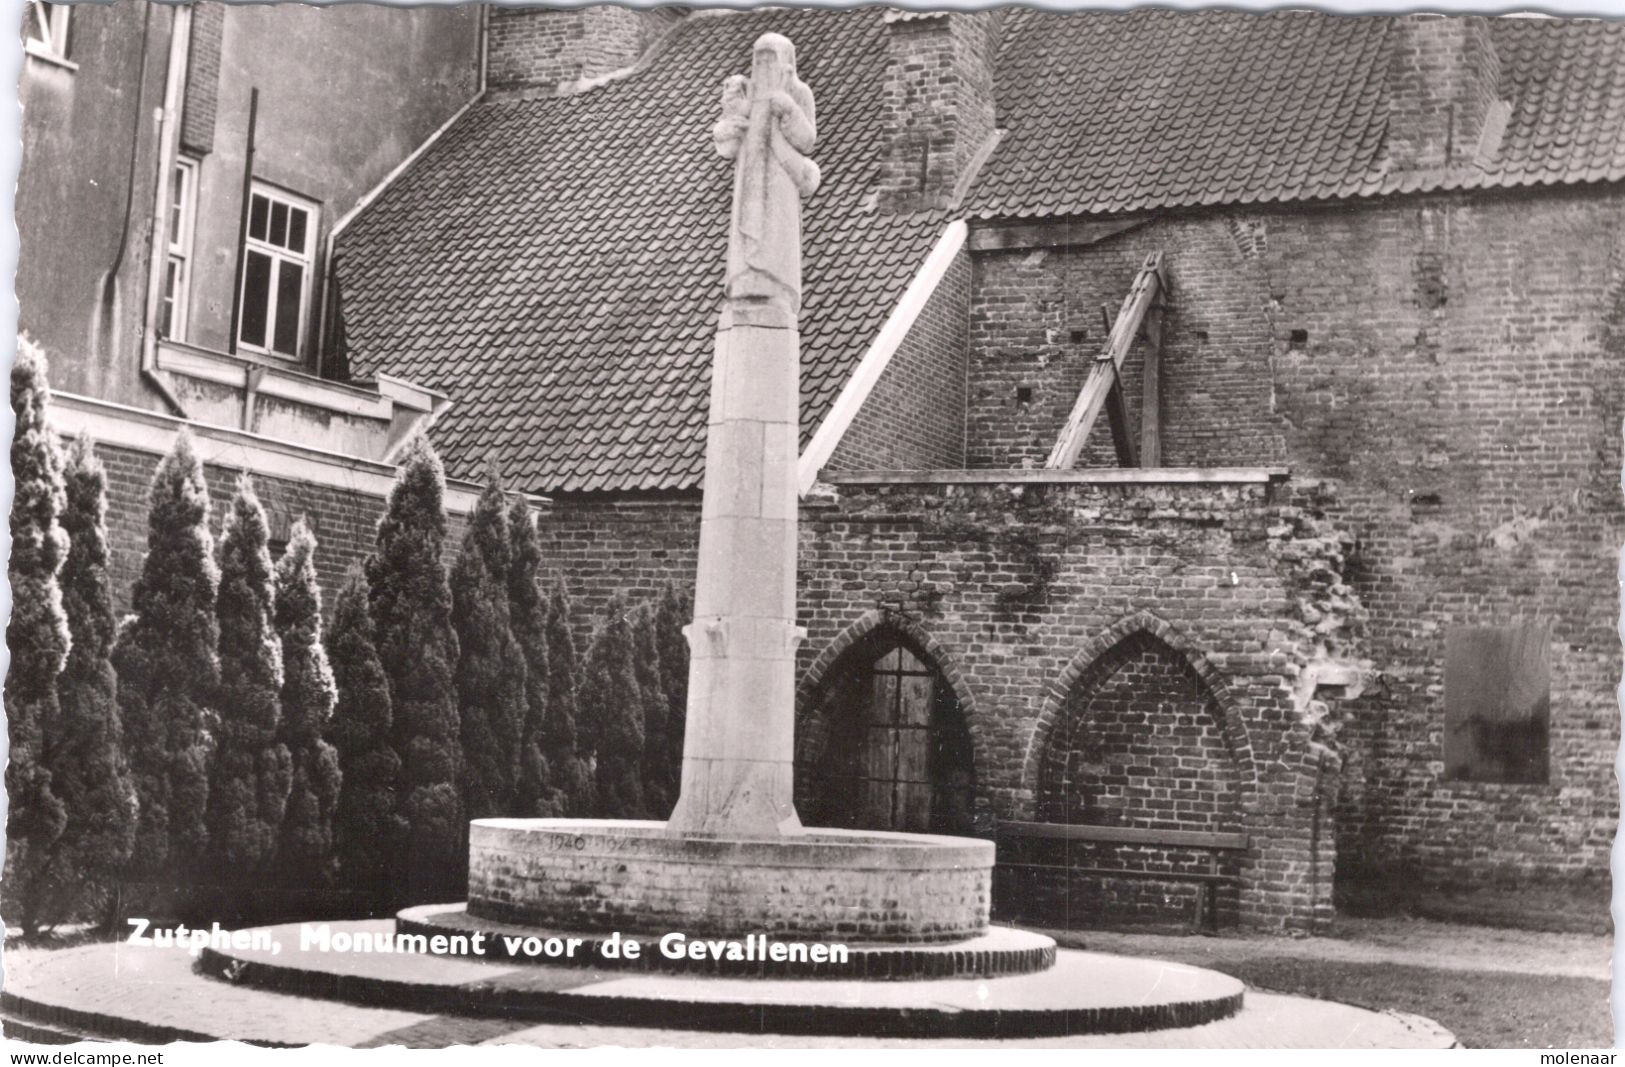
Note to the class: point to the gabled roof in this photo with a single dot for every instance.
(555, 264)
(1119, 112)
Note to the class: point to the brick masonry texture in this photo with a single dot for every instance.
(202, 98)
(915, 417)
(1443, 77)
(597, 880)
(1141, 743)
(601, 547)
(939, 107)
(345, 523)
(1451, 361)
(1015, 593)
(608, 545)
(546, 47)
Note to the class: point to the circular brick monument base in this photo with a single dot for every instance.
(999, 952)
(821, 884)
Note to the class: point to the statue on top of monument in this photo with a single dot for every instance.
(767, 127)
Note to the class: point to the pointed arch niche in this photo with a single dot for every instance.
(883, 741)
(1139, 737)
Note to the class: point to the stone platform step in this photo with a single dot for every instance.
(155, 995)
(999, 952)
(31, 1032)
(1082, 993)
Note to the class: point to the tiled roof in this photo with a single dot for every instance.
(555, 264)
(1112, 113)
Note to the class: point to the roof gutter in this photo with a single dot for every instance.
(879, 355)
(389, 179)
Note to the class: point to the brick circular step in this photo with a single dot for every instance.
(999, 952)
(1084, 993)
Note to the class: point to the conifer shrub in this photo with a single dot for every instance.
(411, 605)
(166, 656)
(252, 770)
(37, 635)
(611, 716)
(491, 674)
(305, 859)
(651, 712)
(85, 747)
(663, 745)
(366, 826)
(535, 795)
(569, 764)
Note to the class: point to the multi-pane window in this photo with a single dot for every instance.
(45, 31)
(1497, 697)
(178, 266)
(276, 272)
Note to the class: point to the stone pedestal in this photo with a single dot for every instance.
(739, 743)
(859, 886)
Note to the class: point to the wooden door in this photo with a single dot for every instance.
(896, 756)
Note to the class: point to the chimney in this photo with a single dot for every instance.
(939, 105)
(553, 48)
(1443, 78)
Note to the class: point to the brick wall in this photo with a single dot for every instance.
(627, 545)
(1021, 596)
(1464, 385)
(1452, 362)
(628, 876)
(201, 101)
(1036, 326)
(602, 547)
(1442, 79)
(344, 522)
(544, 47)
(915, 417)
(1141, 744)
(939, 103)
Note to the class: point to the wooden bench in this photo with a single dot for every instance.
(1214, 844)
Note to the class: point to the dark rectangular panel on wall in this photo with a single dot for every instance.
(202, 99)
(1497, 693)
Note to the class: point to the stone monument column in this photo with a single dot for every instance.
(739, 740)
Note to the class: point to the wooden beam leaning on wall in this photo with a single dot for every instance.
(1146, 293)
(1151, 392)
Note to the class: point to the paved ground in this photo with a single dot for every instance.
(1417, 942)
(1268, 1021)
(107, 983)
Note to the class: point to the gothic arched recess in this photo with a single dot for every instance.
(884, 743)
(1141, 742)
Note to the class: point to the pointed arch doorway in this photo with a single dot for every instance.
(886, 746)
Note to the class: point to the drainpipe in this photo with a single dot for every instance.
(180, 40)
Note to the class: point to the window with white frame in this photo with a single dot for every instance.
(45, 31)
(277, 268)
(178, 267)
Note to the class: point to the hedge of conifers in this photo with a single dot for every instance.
(217, 755)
